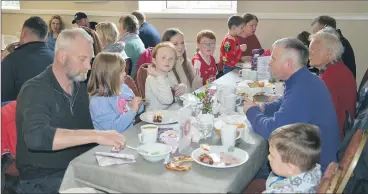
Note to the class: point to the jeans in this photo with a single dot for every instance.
(227, 69)
(46, 184)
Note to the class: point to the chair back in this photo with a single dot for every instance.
(131, 84)
(141, 78)
(337, 175)
(364, 80)
(128, 66)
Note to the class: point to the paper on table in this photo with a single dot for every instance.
(107, 158)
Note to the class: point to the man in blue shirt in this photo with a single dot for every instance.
(147, 32)
(306, 99)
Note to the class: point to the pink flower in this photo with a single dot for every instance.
(211, 92)
(206, 100)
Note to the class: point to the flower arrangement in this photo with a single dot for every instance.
(206, 98)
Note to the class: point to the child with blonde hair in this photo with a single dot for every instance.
(159, 89)
(112, 103)
(109, 35)
(294, 154)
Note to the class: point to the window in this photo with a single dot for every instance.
(188, 6)
(10, 5)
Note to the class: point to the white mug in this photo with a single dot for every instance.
(228, 135)
(148, 134)
(248, 74)
(230, 103)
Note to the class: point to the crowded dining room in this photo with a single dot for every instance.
(184, 96)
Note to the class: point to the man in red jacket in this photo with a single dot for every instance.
(325, 52)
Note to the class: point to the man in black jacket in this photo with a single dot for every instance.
(348, 56)
(52, 117)
(28, 60)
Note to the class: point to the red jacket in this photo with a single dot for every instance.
(8, 128)
(208, 71)
(230, 52)
(342, 86)
(146, 57)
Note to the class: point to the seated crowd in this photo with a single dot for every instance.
(71, 91)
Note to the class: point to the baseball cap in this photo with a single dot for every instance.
(78, 16)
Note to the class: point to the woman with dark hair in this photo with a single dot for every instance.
(183, 72)
(134, 47)
(56, 25)
(248, 36)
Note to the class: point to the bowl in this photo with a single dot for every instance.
(154, 152)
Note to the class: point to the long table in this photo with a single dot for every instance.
(146, 177)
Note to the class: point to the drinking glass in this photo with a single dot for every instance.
(206, 125)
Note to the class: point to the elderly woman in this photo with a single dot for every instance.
(325, 52)
(109, 34)
(248, 36)
(56, 25)
(134, 47)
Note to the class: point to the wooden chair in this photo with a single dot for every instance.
(131, 84)
(256, 186)
(342, 172)
(141, 78)
(128, 66)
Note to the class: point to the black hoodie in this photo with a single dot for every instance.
(348, 56)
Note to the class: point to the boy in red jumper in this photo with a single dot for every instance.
(325, 52)
(203, 61)
(230, 50)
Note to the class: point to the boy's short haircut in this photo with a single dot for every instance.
(235, 20)
(207, 34)
(298, 144)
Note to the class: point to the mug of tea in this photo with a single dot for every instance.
(148, 134)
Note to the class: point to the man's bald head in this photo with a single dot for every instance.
(140, 16)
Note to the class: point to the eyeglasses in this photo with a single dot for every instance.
(208, 44)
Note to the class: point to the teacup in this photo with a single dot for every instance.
(148, 134)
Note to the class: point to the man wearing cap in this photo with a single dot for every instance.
(81, 19)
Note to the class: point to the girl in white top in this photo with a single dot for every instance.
(183, 72)
(159, 89)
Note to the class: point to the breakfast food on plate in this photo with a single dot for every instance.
(177, 163)
(256, 84)
(228, 159)
(205, 147)
(157, 118)
(205, 158)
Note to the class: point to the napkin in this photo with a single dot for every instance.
(109, 158)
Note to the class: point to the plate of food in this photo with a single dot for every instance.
(161, 117)
(219, 157)
(244, 65)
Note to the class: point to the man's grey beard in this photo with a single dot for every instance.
(76, 77)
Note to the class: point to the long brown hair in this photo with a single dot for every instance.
(168, 34)
(62, 24)
(105, 74)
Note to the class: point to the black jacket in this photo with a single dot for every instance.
(348, 56)
(42, 107)
(27, 61)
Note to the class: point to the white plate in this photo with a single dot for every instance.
(238, 153)
(168, 117)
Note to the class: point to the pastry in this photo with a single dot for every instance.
(157, 118)
(177, 163)
(256, 84)
(205, 147)
(177, 167)
(205, 158)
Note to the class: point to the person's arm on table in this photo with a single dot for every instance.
(41, 136)
(265, 125)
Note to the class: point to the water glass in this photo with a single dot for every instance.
(206, 125)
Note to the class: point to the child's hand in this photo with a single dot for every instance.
(197, 68)
(243, 47)
(152, 71)
(135, 103)
(180, 89)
